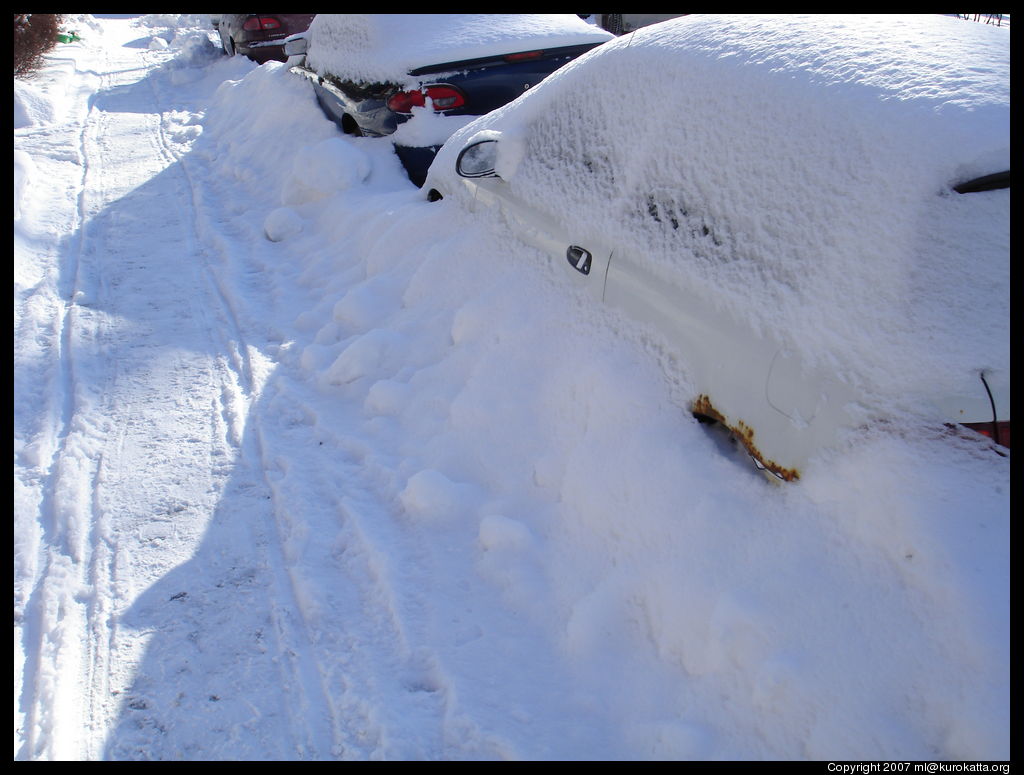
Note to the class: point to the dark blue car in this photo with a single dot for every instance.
(430, 74)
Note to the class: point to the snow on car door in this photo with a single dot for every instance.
(584, 260)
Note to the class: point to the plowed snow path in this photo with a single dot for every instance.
(139, 387)
(169, 533)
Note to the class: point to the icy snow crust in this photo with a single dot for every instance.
(797, 171)
(383, 48)
(310, 468)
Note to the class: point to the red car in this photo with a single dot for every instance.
(260, 36)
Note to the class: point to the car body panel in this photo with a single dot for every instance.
(975, 406)
(761, 392)
(788, 231)
(780, 409)
(260, 45)
(370, 115)
(487, 85)
(545, 234)
(492, 82)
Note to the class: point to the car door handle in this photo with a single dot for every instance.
(579, 258)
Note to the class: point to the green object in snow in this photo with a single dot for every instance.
(68, 37)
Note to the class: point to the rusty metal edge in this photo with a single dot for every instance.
(702, 405)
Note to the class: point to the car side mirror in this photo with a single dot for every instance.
(478, 160)
(295, 46)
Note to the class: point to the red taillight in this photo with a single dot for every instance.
(445, 97)
(261, 23)
(524, 56)
(442, 97)
(405, 101)
(999, 432)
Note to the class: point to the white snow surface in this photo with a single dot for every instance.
(808, 184)
(383, 48)
(307, 467)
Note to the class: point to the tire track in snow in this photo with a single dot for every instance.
(365, 669)
(323, 737)
(54, 609)
(69, 627)
(78, 706)
(367, 664)
(91, 290)
(354, 682)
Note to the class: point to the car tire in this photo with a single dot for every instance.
(612, 22)
(227, 44)
(350, 127)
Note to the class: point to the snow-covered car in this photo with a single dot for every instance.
(422, 76)
(620, 23)
(259, 36)
(809, 214)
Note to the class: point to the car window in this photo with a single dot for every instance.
(668, 210)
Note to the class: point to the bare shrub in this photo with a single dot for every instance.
(34, 35)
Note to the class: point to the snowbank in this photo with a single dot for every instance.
(23, 171)
(31, 105)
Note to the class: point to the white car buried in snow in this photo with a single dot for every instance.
(812, 213)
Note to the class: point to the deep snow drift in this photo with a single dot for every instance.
(307, 467)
